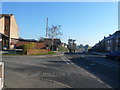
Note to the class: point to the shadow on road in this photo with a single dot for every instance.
(57, 61)
(106, 74)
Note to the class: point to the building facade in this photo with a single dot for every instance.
(108, 44)
(56, 43)
(8, 31)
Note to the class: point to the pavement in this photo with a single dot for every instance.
(60, 71)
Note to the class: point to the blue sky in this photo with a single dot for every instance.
(87, 22)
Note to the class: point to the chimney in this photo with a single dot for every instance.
(109, 34)
(104, 37)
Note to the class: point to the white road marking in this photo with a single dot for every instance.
(64, 59)
(108, 86)
(87, 72)
(56, 82)
(67, 60)
(93, 76)
(81, 69)
(100, 81)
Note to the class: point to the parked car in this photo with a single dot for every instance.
(115, 55)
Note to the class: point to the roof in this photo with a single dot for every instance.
(2, 15)
(116, 35)
(4, 35)
(26, 40)
(51, 39)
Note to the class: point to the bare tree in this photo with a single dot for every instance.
(54, 32)
(41, 39)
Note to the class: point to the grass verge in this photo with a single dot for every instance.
(49, 53)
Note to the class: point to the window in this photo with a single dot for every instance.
(116, 48)
(110, 41)
(108, 48)
(116, 40)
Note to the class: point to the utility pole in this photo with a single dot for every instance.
(47, 28)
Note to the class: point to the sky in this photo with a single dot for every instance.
(86, 22)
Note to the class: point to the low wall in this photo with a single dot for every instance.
(37, 51)
(37, 45)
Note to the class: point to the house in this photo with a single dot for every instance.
(64, 45)
(56, 43)
(108, 44)
(8, 31)
(83, 48)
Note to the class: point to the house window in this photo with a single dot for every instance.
(108, 48)
(108, 41)
(116, 48)
(116, 40)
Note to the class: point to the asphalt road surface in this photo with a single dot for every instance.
(107, 70)
(66, 71)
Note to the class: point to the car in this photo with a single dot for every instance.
(114, 55)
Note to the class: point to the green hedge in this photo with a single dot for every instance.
(62, 49)
(27, 46)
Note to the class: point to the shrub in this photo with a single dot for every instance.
(27, 46)
(62, 49)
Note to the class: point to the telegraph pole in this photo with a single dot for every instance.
(47, 28)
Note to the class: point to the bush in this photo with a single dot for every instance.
(62, 49)
(27, 46)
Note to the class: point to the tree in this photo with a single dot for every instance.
(41, 39)
(71, 45)
(54, 32)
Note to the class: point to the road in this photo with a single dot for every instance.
(65, 71)
(107, 70)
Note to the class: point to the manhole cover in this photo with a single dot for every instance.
(51, 74)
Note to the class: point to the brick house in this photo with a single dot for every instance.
(108, 44)
(8, 31)
(56, 43)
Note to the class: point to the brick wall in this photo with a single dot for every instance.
(37, 45)
(37, 51)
